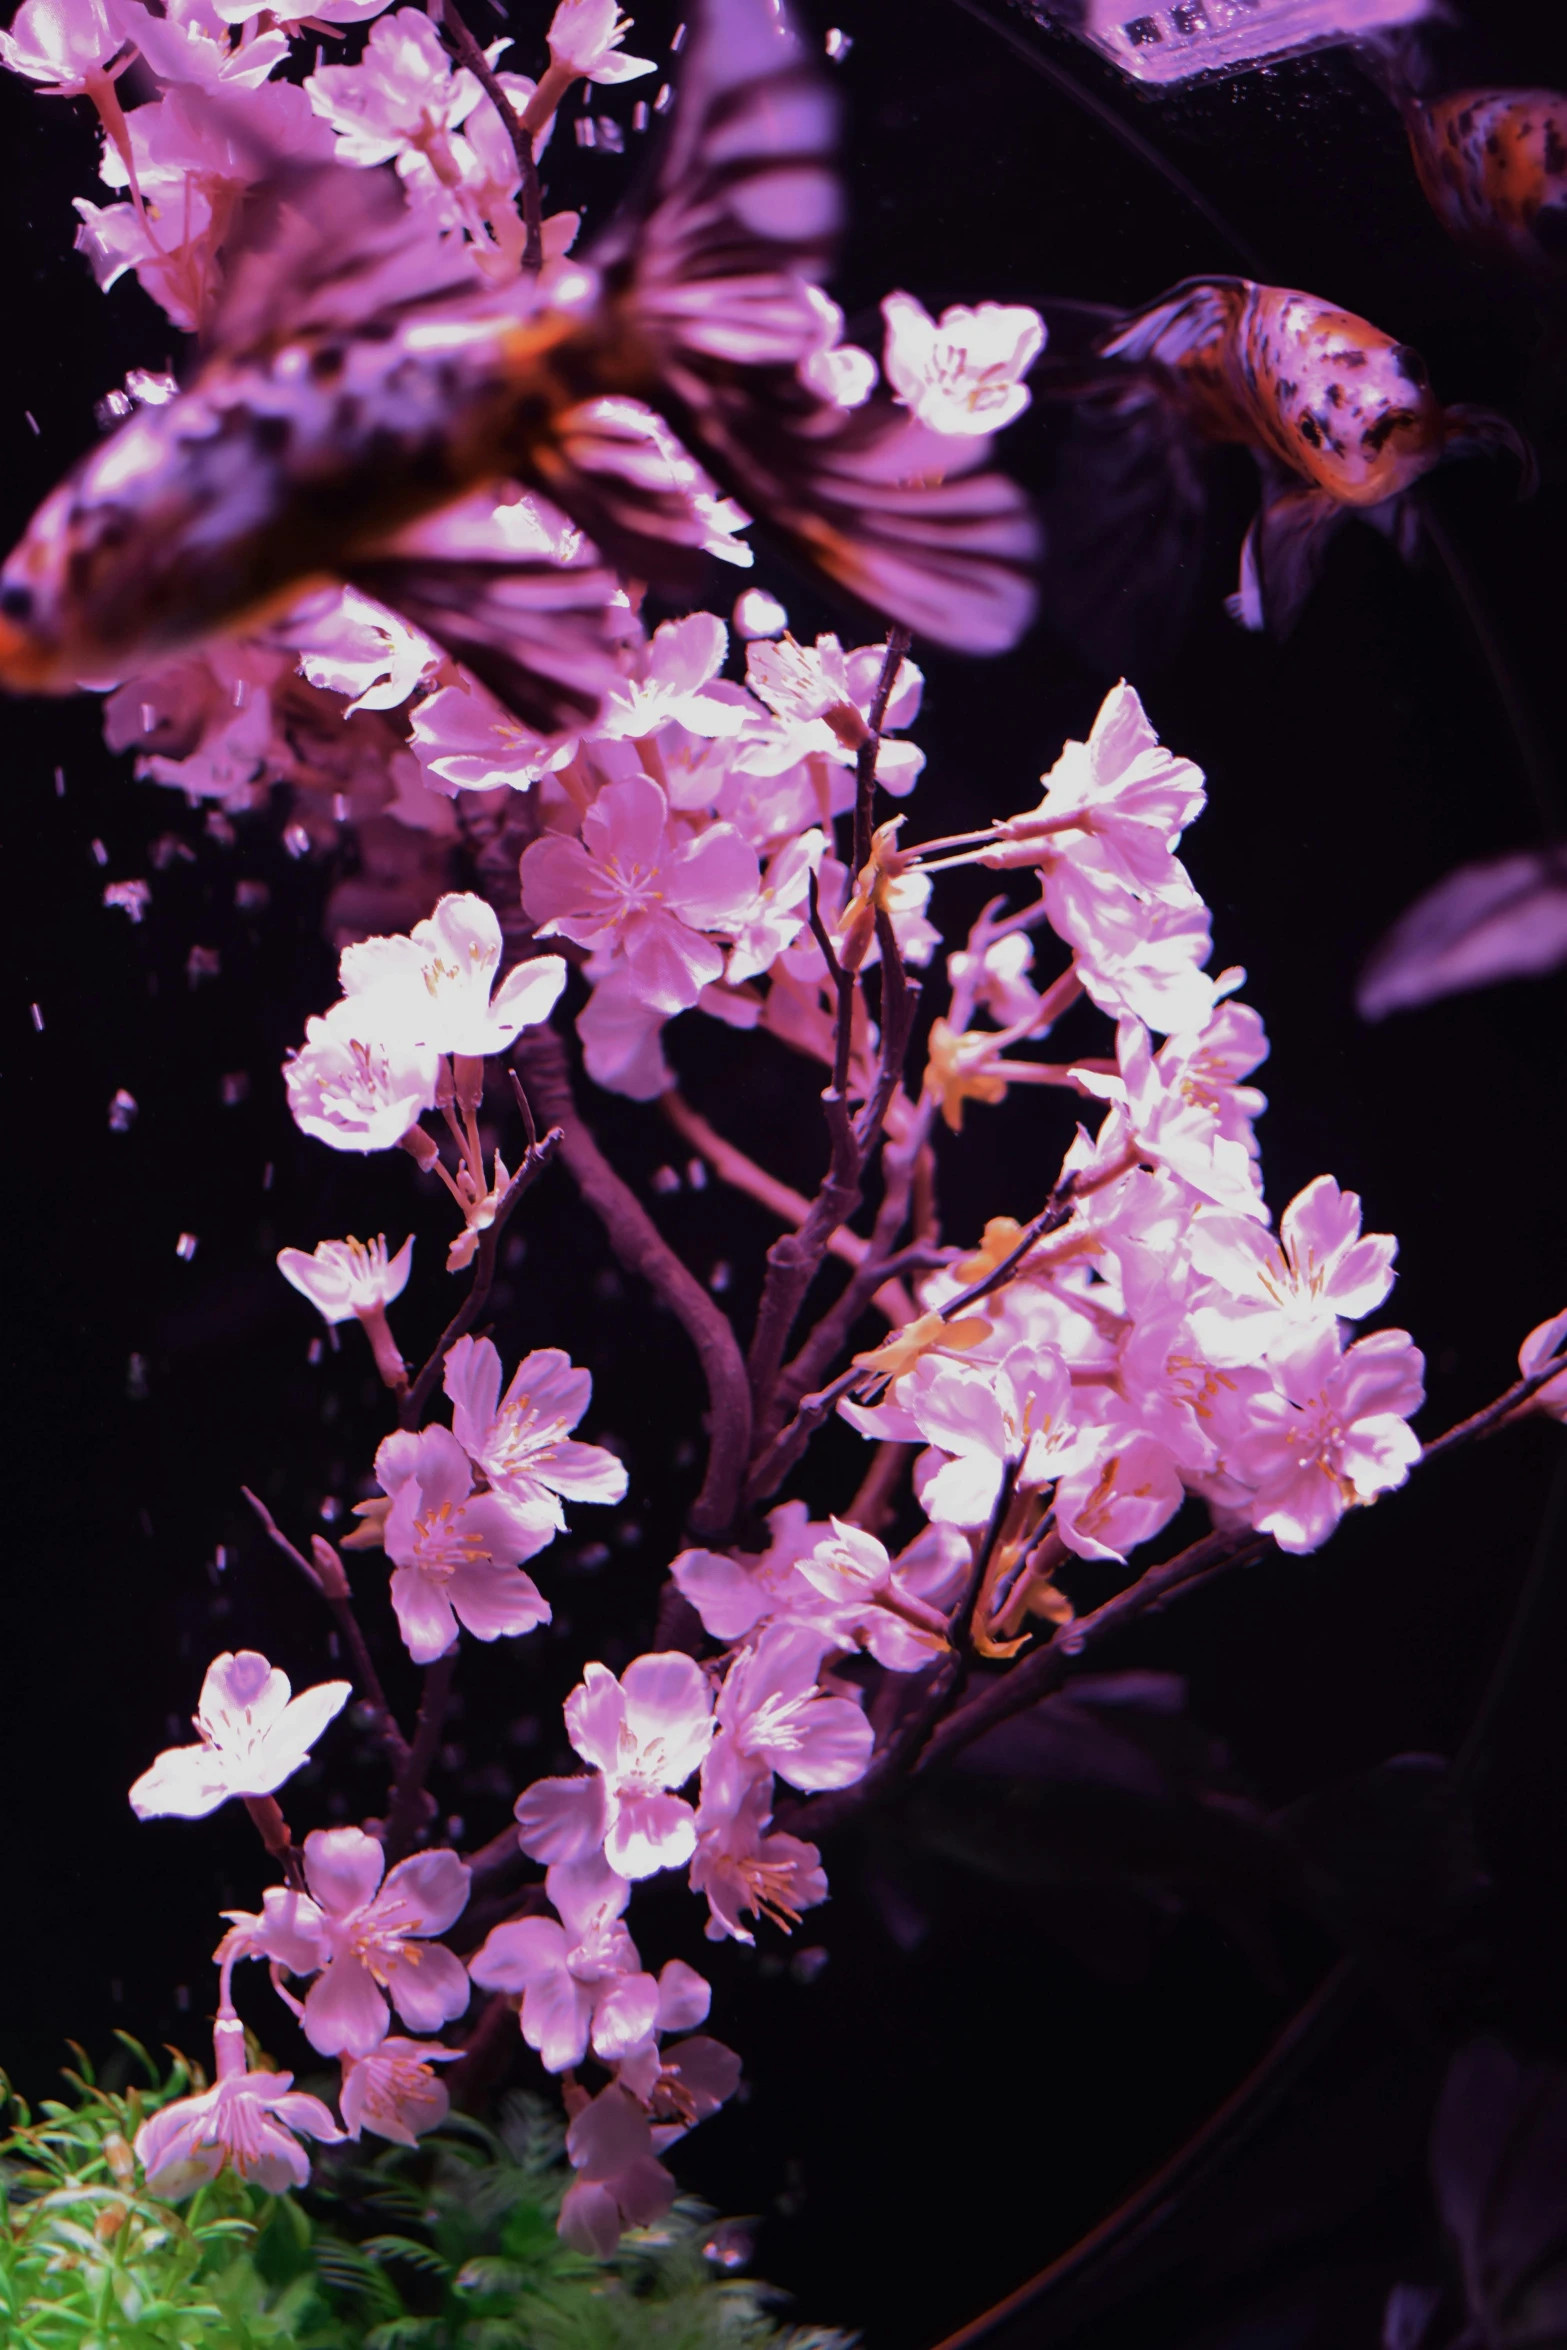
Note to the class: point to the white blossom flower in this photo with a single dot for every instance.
(964, 375)
(253, 1735)
(431, 990)
(342, 1278)
(584, 38)
(359, 1082)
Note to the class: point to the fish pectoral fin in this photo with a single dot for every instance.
(1191, 314)
(1470, 431)
(715, 275)
(324, 248)
(1282, 558)
(541, 634)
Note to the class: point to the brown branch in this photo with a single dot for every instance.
(473, 57)
(1483, 1423)
(335, 1591)
(643, 1250)
(411, 1408)
(898, 642)
(411, 1808)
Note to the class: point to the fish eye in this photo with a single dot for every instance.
(16, 603)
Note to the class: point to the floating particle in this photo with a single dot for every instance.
(203, 963)
(629, 1535)
(665, 1180)
(296, 840)
(112, 409)
(218, 828)
(149, 390)
(515, 1250)
(38, 1018)
(340, 807)
(720, 1277)
(456, 1827)
(759, 614)
(122, 1112)
(677, 40)
(116, 1991)
(665, 99)
(592, 1556)
(220, 1557)
(639, 115)
(730, 2244)
(331, 1510)
(838, 44)
(313, 1352)
(186, 1246)
(98, 853)
(32, 420)
(182, 1997)
(233, 1088)
(252, 896)
(129, 897)
(696, 1174)
(611, 137)
(808, 1966)
(167, 849)
(136, 1389)
(59, 783)
(587, 136)
(266, 1176)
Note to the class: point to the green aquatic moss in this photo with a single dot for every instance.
(447, 2246)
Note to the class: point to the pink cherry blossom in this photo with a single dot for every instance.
(744, 1870)
(523, 1444)
(620, 2182)
(1121, 788)
(465, 740)
(585, 37)
(248, 2120)
(1174, 1111)
(779, 912)
(402, 99)
(631, 884)
(1121, 1490)
(365, 1941)
(893, 1607)
(253, 1736)
(64, 45)
(1536, 1351)
(836, 371)
(581, 1980)
(1268, 1294)
(620, 1038)
(644, 1735)
(1139, 954)
(394, 2091)
(1174, 1391)
(1335, 1433)
(821, 697)
(964, 374)
(678, 682)
(356, 1083)
(342, 1278)
(772, 1713)
(994, 979)
(349, 644)
(986, 1417)
(192, 43)
(432, 990)
(454, 1552)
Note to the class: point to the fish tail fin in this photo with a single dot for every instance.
(1470, 431)
(1282, 558)
(1399, 62)
(716, 274)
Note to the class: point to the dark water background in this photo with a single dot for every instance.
(982, 2066)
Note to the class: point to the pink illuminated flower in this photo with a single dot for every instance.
(349, 644)
(771, 1712)
(365, 1941)
(454, 1552)
(253, 1735)
(401, 100)
(342, 1278)
(64, 45)
(778, 914)
(245, 2119)
(834, 370)
(192, 43)
(1334, 1434)
(644, 1735)
(355, 1086)
(743, 1869)
(523, 1444)
(467, 741)
(1536, 1351)
(1179, 1117)
(1126, 1488)
(1269, 1294)
(1121, 788)
(679, 683)
(584, 38)
(581, 1980)
(394, 2091)
(432, 989)
(621, 1039)
(620, 2182)
(964, 375)
(629, 884)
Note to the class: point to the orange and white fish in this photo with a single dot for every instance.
(360, 383)
(1493, 165)
(1341, 418)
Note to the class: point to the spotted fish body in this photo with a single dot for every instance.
(1326, 394)
(361, 384)
(1341, 417)
(1493, 166)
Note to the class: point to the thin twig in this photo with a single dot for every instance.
(1483, 1422)
(411, 1409)
(473, 57)
(342, 1607)
(642, 1249)
(410, 1806)
(898, 642)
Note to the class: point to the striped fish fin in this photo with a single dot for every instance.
(712, 275)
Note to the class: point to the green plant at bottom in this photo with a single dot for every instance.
(450, 2245)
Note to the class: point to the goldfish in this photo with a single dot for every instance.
(1341, 418)
(1493, 168)
(360, 387)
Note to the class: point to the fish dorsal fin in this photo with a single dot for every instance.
(1191, 314)
(324, 248)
